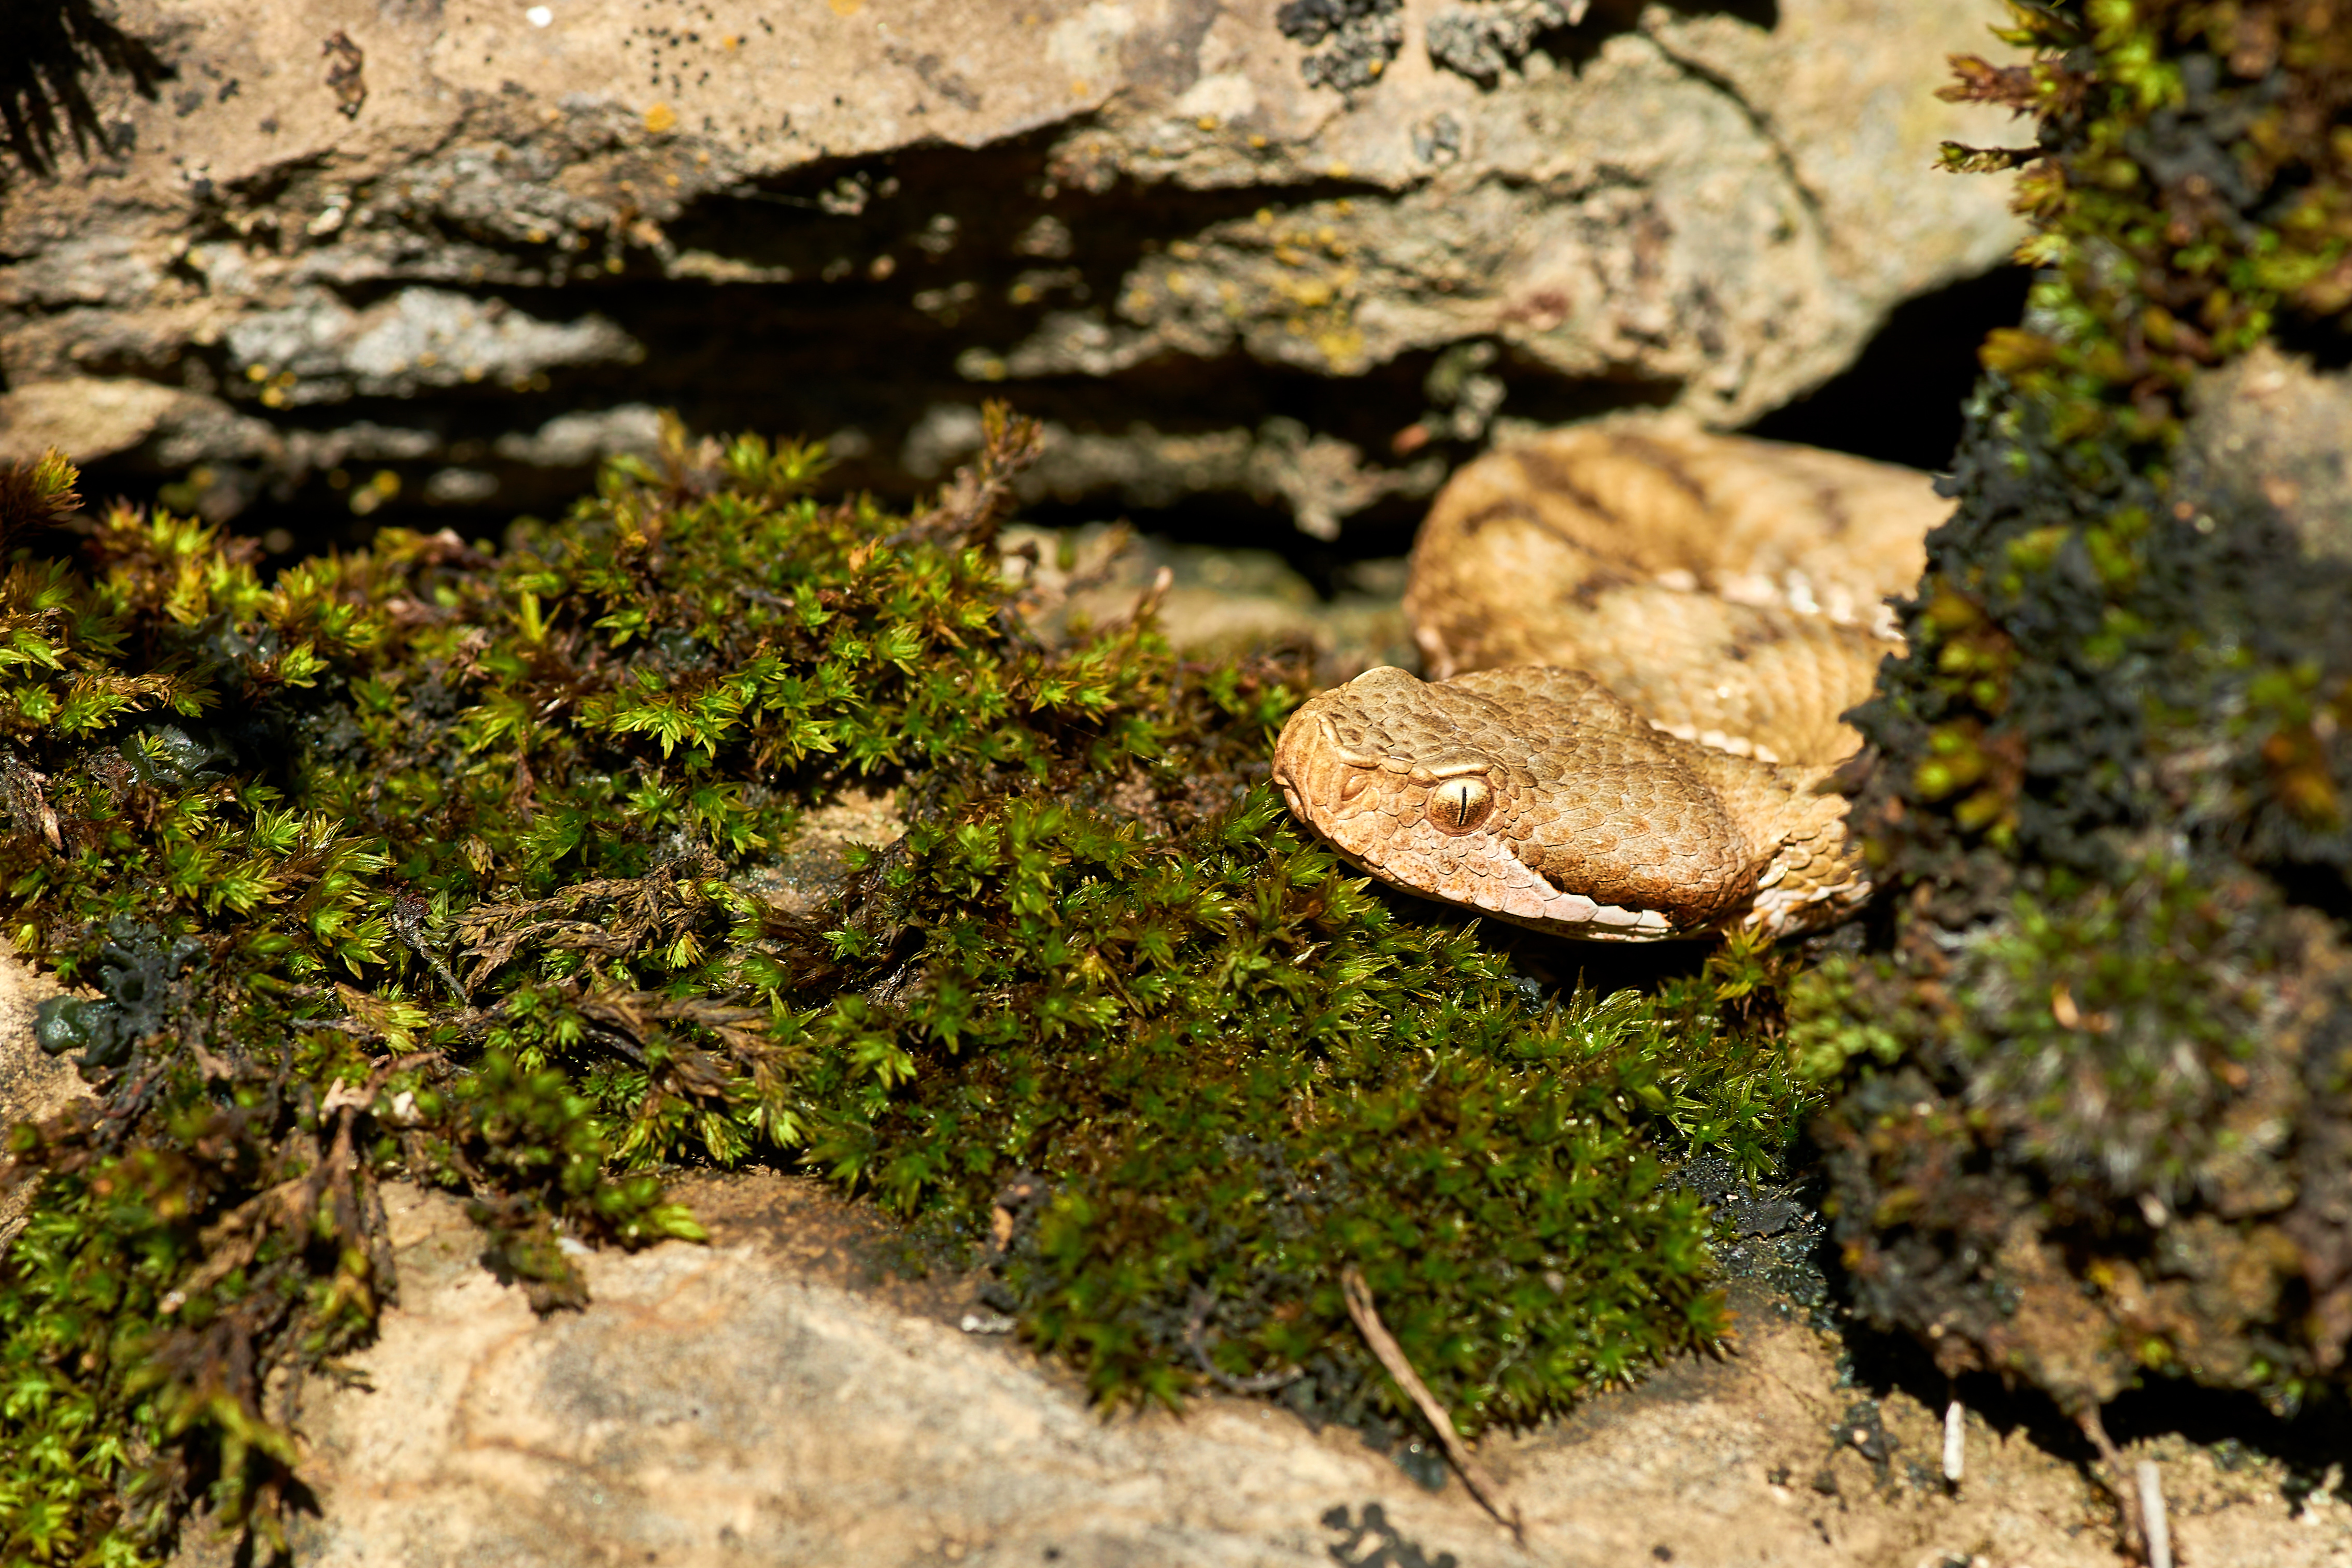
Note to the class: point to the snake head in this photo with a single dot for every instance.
(1591, 829)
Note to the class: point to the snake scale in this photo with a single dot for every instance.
(1640, 638)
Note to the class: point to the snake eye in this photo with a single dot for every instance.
(1460, 804)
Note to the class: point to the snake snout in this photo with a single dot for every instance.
(1302, 770)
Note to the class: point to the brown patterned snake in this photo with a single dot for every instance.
(1641, 639)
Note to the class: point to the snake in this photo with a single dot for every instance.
(1640, 639)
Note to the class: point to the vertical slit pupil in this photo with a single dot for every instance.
(1459, 803)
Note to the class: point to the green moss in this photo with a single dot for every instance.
(430, 862)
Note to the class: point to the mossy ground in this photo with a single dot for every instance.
(432, 862)
(2096, 1077)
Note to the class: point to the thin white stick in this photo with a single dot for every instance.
(2151, 1514)
(1359, 1298)
(1955, 1442)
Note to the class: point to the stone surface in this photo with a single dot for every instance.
(2269, 428)
(780, 1398)
(847, 216)
(1214, 602)
(32, 1085)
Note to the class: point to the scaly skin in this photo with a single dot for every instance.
(1593, 824)
(1680, 620)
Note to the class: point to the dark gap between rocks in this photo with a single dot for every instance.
(873, 363)
(1900, 401)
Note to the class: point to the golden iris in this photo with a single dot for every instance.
(1458, 805)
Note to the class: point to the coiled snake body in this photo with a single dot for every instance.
(1640, 638)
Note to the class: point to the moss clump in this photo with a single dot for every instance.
(2099, 1075)
(431, 861)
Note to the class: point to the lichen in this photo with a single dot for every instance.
(2094, 1078)
(437, 863)
(1350, 42)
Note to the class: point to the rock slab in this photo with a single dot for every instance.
(483, 259)
(779, 1398)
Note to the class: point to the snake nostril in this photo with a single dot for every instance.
(1458, 805)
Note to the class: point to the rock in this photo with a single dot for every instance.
(1214, 602)
(32, 1084)
(1169, 215)
(2270, 431)
(781, 1396)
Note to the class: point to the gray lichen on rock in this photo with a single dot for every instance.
(1352, 41)
(1484, 39)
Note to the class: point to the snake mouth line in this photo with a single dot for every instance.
(1542, 906)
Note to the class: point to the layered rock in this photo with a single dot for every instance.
(441, 267)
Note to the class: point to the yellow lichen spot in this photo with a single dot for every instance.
(880, 268)
(537, 236)
(847, 7)
(1257, 142)
(1179, 285)
(1022, 294)
(1079, 88)
(1265, 217)
(1311, 292)
(1327, 234)
(425, 361)
(1343, 345)
(257, 373)
(1338, 171)
(472, 374)
(661, 118)
(732, 42)
(273, 397)
(1289, 256)
(1345, 206)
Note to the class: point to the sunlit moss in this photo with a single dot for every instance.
(430, 862)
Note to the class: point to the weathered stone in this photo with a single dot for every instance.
(2270, 430)
(1213, 602)
(1121, 211)
(777, 1397)
(32, 1084)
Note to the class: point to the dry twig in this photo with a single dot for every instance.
(1392, 1355)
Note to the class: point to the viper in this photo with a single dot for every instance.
(1641, 639)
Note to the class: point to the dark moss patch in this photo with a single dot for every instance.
(2099, 1071)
